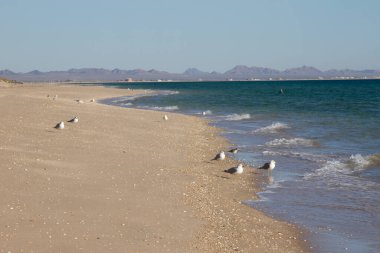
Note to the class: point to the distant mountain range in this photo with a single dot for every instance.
(238, 73)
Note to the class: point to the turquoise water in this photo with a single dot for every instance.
(324, 136)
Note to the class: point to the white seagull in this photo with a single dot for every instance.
(236, 170)
(234, 150)
(60, 125)
(268, 166)
(74, 120)
(165, 117)
(221, 156)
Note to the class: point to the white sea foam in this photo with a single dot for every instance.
(169, 92)
(291, 142)
(205, 113)
(273, 128)
(235, 117)
(358, 161)
(160, 108)
(121, 100)
(127, 104)
(300, 155)
(148, 93)
(352, 165)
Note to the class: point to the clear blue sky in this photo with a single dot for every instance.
(174, 35)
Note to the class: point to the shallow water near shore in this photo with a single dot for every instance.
(324, 136)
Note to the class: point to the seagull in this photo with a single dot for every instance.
(268, 166)
(92, 100)
(234, 150)
(74, 120)
(220, 156)
(235, 170)
(60, 125)
(165, 117)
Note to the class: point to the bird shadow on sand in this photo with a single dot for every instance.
(224, 177)
(212, 161)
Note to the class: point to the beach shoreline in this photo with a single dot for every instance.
(143, 184)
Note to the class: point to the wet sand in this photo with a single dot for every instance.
(121, 180)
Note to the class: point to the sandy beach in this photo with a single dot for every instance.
(121, 180)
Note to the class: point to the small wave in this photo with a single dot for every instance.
(292, 142)
(160, 108)
(300, 155)
(273, 128)
(375, 159)
(167, 92)
(127, 104)
(122, 100)
(205, 113)
(352, 165)
(236, 117)
(358, 161)
(147, 93)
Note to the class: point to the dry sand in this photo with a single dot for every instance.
(121, 180)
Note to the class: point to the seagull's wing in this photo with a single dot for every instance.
(217, 157)
(231, 170)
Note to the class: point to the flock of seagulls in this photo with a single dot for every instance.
(61, 125)
(239, 169)
(219, 157)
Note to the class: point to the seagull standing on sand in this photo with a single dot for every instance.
(234, 150)
(60, 125)
(236, 170)
(268, 166)
(166, 117)
(221, 156)
(74, 120)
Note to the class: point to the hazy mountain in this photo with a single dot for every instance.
(6, 72)
(239, 72)
(304, 71)
(194, 72)
(242, 71)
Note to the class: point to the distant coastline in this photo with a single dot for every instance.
(238, 73)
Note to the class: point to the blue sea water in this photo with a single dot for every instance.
(324, 136)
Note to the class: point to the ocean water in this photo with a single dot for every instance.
(323, 135)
